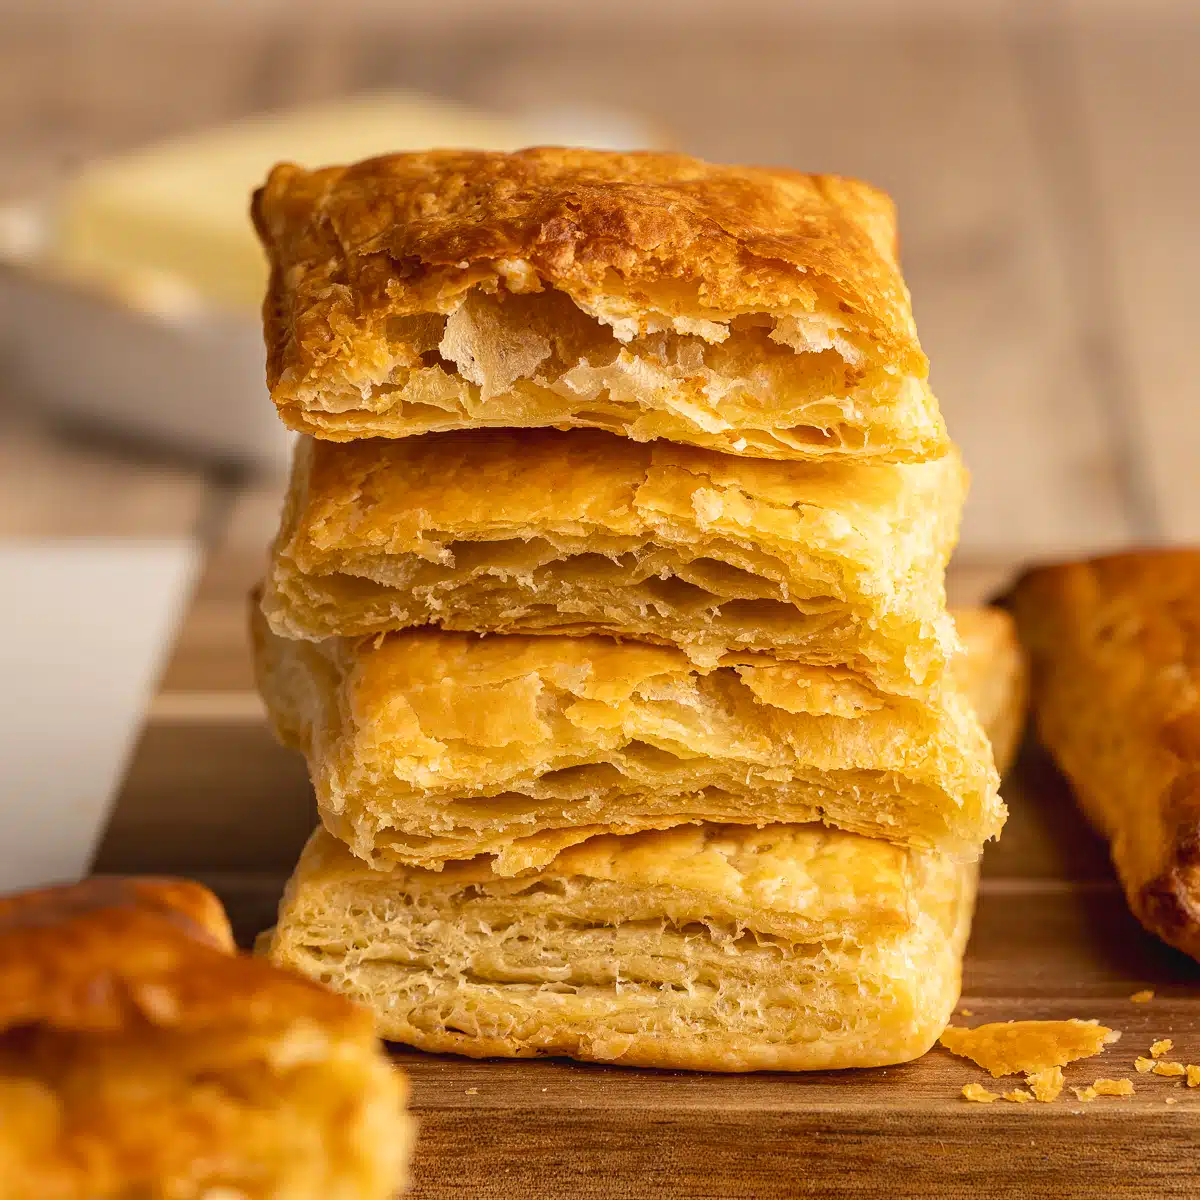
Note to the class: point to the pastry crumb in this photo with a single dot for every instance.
(1171, 1100)
(1169, 1068)
(1019, 1096)
(1193, 1075)
(965, 1012)
(1142, 1064)
(1047, 1085)
(1027, 1047)
(1113, 1087)
(1085, 1094)
(1160, 1048)
(1143, 997)
(472, 1091)
(978, 1093)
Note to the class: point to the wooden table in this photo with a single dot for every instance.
(210, 794)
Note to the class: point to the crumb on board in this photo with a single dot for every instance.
(1161, 1048)
(1047, 1084)
(1193, 1075)
(1085, 1094)
(1143, 997)
(1142, 1064)
(1019, 1096)
(472, 1091)
(1171, 1100)
(966, 1012)
(1026, 1047)
(1113, 1087)
(978, 1093)
(1169, 1068)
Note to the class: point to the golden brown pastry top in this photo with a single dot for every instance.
(623, 234)
(112, 954)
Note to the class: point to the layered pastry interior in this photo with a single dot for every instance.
(717, 948)
(577, 532)
(635, 293)
(427, 746)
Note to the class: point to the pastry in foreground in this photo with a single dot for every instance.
(750, 310)
(426, 746)
(713, 947)
(577, 531)
(140, 1055)
(1114, 645)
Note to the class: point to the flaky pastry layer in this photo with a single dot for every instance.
(542, 531)
(748, 310)
(1115, 649)
(427, 746)
(717, 948)
(140, 1056)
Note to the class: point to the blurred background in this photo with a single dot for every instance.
(1042, 154)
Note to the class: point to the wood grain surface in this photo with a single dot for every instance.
(210, 794)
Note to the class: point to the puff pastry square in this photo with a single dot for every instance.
(752, 311)
(712, 947)
(140, 1056)
(1115, 649)
(542, 531)
(426, 745)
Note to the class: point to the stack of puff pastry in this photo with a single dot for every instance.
(608, 610)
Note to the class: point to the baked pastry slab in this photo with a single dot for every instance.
(140, 1056)
(1114, 645)
(752, 311)
(427, 746)
(712, 947)
(542, 531)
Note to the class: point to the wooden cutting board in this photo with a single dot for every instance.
(209, 794)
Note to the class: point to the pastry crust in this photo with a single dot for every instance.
(140, 1055)
(426, 746)
(712, 948)
(542, 531)
(1115, 650)
(749, 310)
